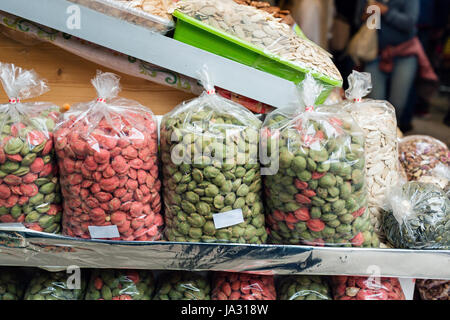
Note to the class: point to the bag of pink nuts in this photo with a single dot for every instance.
(107, 155)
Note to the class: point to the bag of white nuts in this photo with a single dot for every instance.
(378, 121)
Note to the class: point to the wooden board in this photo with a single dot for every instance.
(69, 77)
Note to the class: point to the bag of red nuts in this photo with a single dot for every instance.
(243, 286)
(366, 288)
(107, 155)
(29, 188)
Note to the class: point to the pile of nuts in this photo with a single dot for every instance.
(419, 155)
(241, 286)
(284, 15)
(433, 289)
(262, 30)
(11, 285)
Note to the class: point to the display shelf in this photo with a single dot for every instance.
(142, 43)
(22, 247)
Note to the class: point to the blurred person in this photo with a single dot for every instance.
(400, 53)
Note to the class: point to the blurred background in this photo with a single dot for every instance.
(418, 81)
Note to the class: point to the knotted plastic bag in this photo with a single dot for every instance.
(212, 182)
(56, 286)
(178, 285)
(378, 121)
(29, 189)
(315, 183)
(242, 286)
(121, 285)
(366, 288)
(304, 288)
(107, 155)
(417, 217)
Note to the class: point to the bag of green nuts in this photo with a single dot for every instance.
(417, 217)
(121, 285)
(29, 188)
(314, 175)
(11, 284)
(56, 286)
(211, 174)
(178, 285)
(304, 288)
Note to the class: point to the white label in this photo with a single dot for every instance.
(408, 286)
(228, 219)
(103, 232)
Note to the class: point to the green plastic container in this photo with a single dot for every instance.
(203, 36)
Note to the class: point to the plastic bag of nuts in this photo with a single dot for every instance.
(366, 288)
(107, 155)
(179, 285)
(242, 286)
(304, 288)
(121, 285)
(417, 217)
(433, 289)
(11, 284)
(315, 185)
(420, 154)
(29, 188)
(212, 182)
(55, 286)
(379, 123)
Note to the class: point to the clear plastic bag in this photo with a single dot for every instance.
(417, 217)
(120, 285)
(304, 288)
(107, 154)
(29, 188)
(420, 154)
(151, 14)
(11, 284)
(440, 176)
(55, 286)
(262, 30)
(316, 191)
(379, 123)
(242, 286)
(433, 289)
(212, 182)
(178, 285)
(366, 288)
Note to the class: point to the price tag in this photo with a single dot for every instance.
(228, 219)
(103, 232)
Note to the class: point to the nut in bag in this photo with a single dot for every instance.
(433, 289)
(378, 121)
(315, 180)
(304, 288)
(417, 216)
(242, 286)
(29, 188)
(107, 155)
(419, 155)
(366, 288)
(212, 182)
(56, 286)
(121, 285)
(179, 285)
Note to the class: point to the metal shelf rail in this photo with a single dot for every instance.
(23, 247)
